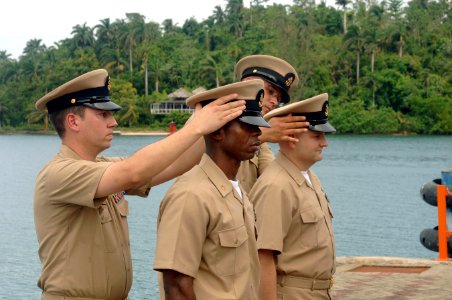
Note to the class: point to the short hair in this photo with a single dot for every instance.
(58, 118)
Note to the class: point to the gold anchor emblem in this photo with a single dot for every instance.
(289, 81)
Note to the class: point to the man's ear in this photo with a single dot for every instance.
(72, 121)
(291, 144)
(218, 135)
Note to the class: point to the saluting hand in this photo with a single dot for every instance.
(284, 128)
(216, 114)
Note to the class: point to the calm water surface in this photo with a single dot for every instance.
(372, 182)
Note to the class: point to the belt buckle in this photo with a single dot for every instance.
(331, 283)
(312, 284)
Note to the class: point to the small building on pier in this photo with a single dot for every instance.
(176, 102)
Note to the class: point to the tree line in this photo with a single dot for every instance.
(386, 65)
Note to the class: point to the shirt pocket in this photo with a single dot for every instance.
(123, 208)
(108, 228)
(232, 255)
(310, 225)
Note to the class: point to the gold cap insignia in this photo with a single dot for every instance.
(326, 110)
(108, 83)
(289, 81)
(73, 101)
(254, 70)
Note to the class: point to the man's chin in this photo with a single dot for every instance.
(248, 156)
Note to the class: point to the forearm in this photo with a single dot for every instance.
(153, 159)
(178, 286)
(168, 157)
(182, 164)
(142, 166)
(267, 289)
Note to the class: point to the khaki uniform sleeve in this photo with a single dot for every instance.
(273, 215)
(73, 183)
(181, 233)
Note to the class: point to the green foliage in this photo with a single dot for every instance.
(385, 65)
(351, 117)
(179, 118)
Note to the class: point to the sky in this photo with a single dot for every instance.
(52, 20)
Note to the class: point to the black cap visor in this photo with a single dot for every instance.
(109, 105)
(271, 77)
(325, 127)
(254, 120)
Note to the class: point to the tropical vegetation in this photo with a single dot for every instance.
(385, 64)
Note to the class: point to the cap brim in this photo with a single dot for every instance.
(322, 128)
(104, 106)
(254, 120)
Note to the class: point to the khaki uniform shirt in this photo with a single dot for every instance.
(83, 242)
(295, 220)
(206, 231)
(251, 169)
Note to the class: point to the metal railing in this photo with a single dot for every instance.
(167, 108)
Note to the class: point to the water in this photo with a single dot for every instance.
(373, 184)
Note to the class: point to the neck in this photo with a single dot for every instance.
(227, 164)
(301, 165)
(83, 152)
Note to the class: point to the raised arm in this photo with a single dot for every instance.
(182, 164)
(150, 160)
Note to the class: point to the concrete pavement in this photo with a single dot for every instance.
(392, 278)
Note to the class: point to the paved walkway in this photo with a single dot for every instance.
(361, 278)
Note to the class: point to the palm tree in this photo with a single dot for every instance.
(209, 66)
(104, 31)
(344, 4)
(134, 35)
(32, 58)
(218, 15)
(234, 15)
(4, 56)
(82, 36)
(34, 46)
(355, 41)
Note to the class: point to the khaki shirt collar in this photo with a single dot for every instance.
(292, 169)
(66, 152)
(216, 175)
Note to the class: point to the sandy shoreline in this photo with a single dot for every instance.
(148, 133)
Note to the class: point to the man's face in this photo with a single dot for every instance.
(309, 148)
(272, 97)
(96, 128)
(241, 140)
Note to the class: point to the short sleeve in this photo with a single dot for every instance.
(73, 181)
(273, 214)
(181, 232)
